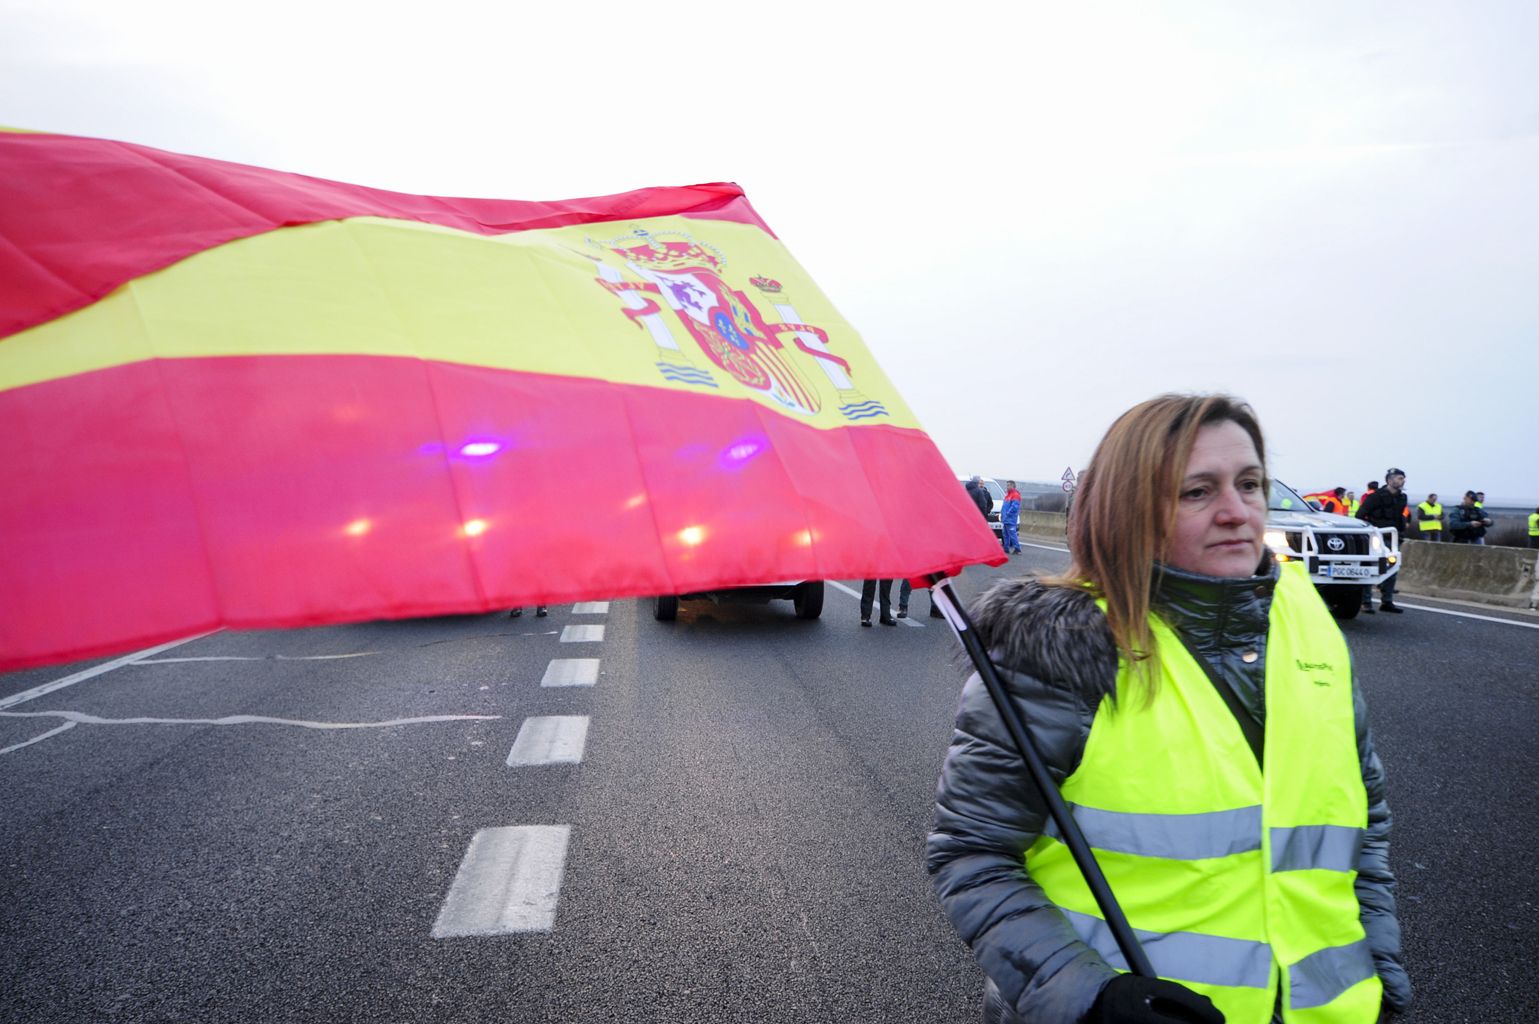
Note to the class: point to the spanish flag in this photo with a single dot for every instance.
(232, 396)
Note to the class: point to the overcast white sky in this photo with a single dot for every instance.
(1035, 214)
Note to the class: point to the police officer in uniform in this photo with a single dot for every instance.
(1386, 507)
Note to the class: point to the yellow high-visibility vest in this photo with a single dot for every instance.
(1238, 878)
(1431, 517)
(1533, 524)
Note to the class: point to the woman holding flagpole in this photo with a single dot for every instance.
(1194, 702)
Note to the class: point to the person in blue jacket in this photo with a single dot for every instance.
(1010, 519)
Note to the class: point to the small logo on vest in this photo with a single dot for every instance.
(1322, 682)
(1314, 666)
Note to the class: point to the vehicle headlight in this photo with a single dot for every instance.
(1277, 540)
(1375, 542)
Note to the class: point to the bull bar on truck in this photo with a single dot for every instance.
(1327, 565)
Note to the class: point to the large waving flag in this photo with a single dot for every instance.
(235, 396)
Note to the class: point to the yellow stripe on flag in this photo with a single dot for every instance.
(532, 301)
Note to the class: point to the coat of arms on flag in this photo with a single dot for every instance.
(688, 276)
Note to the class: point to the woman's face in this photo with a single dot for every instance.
(1221, 506)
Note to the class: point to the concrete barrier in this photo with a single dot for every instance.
(1501, 576)
(1047, 525)
(1470, 572)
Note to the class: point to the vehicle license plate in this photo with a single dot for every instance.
(1350, 572)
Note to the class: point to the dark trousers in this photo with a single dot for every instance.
(1430, 535)
(1533, 541)
(870, 589)
(1386, 592)
(903, 595)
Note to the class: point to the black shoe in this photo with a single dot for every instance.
(515, 613)
(1368, 609)
(539, 611)
(865, 622)
(1393, 609)
(902, 613)
(935, 613)
(888, 620)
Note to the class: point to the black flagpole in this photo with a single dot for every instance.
(946, 600)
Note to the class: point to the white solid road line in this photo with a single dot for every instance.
(108, 666)
(571, 672)
(548, 739)
(591, 608)
(582, 634)
(509, 881)
(1468, 615)
(257, 657)
(81, 718)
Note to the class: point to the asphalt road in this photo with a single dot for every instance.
(746, 822)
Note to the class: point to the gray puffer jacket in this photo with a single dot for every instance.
(1059, 663)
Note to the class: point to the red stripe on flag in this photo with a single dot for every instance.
(79, 217)
(154, 500)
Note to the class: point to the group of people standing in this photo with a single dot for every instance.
(1009, 512)
(1464, 523)
(877, 594)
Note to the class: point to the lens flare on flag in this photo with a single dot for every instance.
(234, 396)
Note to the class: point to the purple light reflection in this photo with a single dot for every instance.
(472, 449)
(739, 452)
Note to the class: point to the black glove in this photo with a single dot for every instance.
(1131, 999)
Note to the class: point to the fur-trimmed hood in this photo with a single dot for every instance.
(1056, 634)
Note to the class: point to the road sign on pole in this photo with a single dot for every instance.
(1068, 478)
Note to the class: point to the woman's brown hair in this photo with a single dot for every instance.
(1124, 508)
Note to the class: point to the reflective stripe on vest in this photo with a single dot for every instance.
(1316, 847)
(1237, 879)
(1208, 959)
(1322, 976)
(1431, 517)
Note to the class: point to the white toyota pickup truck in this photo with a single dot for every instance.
(1343, 555)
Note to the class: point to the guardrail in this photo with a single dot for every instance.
(1487, 574)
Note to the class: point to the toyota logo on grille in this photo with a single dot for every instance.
(1336, 544)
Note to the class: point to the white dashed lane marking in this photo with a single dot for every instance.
(509, 881)
(549, 739)
(582, 634)
(571, 672)
(591, 608)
